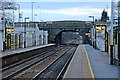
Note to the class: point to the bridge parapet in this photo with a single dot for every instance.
(65, 24)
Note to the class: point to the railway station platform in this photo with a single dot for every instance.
(90, 63)
(20, 50)
(10, 57)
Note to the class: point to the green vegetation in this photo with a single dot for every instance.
(104, 16)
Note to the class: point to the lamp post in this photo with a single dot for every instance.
(106, 39)
(34, 16)
(119, 33)
(25, 32)
(32, 11)
(94, 33)
(21, 16)
(18, 12)
(107, 8)
(34, 30)
(40, 12)
(111, 33)
(3, 28)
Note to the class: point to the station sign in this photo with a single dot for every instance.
(100, 27)
(9, 29)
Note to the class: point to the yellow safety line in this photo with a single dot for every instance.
(91, 71)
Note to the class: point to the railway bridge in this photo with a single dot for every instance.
(55, 28)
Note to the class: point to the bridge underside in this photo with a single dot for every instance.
(56, 34)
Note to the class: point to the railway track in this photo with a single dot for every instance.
(46, 63)
(12, 70)
(57, 68)
(62, 58)
(24, 60)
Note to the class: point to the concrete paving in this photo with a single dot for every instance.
(20, 50)
(79, 66)
(91, 63)
(100, 64)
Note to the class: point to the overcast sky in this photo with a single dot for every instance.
(51, 11)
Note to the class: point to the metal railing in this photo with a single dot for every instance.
(15, 41)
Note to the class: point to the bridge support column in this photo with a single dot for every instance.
(60, 37)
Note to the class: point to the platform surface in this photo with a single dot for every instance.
(17, 51)
(79, 65)
(100, 62)
(99, 65)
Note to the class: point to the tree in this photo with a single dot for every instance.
(96, 20)
(104, 16)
